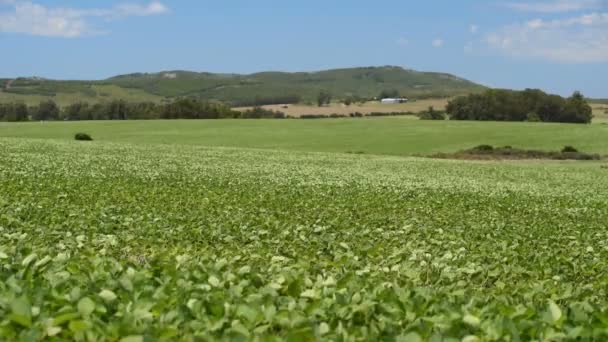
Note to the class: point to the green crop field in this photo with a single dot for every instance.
(144, 242)
(389, 136)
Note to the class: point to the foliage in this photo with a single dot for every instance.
(184, 108)
(47, 110)
(261, 113)
(386, 94)
(324, 98)
(508, 152)
(83, 137)
(431, 114)
(483, 148)
(530, 105)
(14, 112)
(156, 242)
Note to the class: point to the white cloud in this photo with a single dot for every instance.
(437, 43)
(474, 29)
(403, 41)
(581, 39)
(35, 19)
(152, 8)
(556, 6)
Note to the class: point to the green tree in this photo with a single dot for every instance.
(432, 114)
(324, 98)
(47, 110)
(577, 109)
(390, 93)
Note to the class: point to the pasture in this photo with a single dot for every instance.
(386, 136)
(137, 242)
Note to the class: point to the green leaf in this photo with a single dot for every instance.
(86, 306)
(471, 320)
(108, 295)
(28, 259)
(213, 281)
(323, 328)
(53, 331)
(133, 338)
(21, 312)
(78, 326)
(555, 313)
(411, 337)
(64, 318)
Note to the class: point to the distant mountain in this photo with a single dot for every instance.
(277, 87)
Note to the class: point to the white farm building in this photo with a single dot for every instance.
(393, 101)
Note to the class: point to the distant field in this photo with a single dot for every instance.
(370, 107)
(600, 112)
(387, 136)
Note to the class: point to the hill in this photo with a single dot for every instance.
(258, 88)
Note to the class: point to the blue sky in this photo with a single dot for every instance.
(556, 45)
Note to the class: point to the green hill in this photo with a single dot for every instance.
(267, 87)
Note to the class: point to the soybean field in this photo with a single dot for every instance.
(139, 241)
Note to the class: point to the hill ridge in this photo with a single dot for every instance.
(245, 89)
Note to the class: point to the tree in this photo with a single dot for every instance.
(577, 109)
(391, 93)
(21, 112)
(432, 114)
(324, 98)
(47, 110)
(527, 105)
(76, 111)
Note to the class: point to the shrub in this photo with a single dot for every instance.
(483, 148)
(569, 149)
(431, 114)
(83, 137)
(533, 117)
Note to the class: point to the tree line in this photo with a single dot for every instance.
(185, 108)
(527, 105)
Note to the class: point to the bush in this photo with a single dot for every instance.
(483, 148)
(261, 113)
(533, 117)
(569, 149)
(83, 137)
(431, 114)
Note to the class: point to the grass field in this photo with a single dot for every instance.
(389, 136)
(141, 242)
(369, 107)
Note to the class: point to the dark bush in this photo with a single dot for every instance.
(568, 149)
(508, 152)
(483, 148)
(261, 113)
(83, 137)
(431, 114)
